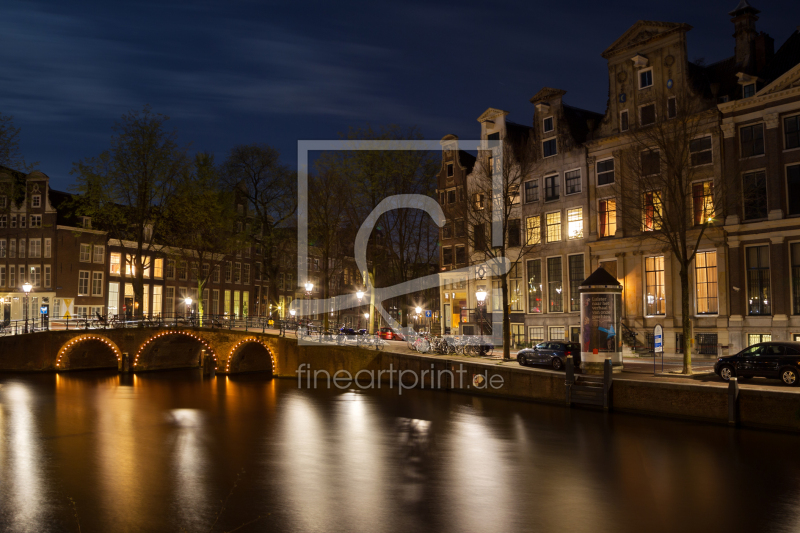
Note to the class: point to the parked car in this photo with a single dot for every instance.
(389, 334)
(778, 360)
(552, 353)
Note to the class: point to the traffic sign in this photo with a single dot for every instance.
(428, 314)
(658, 335)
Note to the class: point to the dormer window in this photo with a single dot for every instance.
(494, 136)
(749, 90)
(646, 78)
(36, 200)
(86, 222)
(548, 124)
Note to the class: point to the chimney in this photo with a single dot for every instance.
(765, 49)
(744, 19)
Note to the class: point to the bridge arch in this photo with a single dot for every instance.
(99, 352)
(250, 354)
(185, 352)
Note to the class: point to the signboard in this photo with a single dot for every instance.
(428, 314)
(658, 339)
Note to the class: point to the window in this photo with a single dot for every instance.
(793, 189)
(47, 276)
(36, 221)
(22, 221)
(553, 226)
(752, 140)
(758, 299)
(557, 333)
(35, 248)
(573, 181)
(47, 251)
(623, 121)
(535, 334)
(229, 272)
(645, 78)
(245, 274)
(99, 254)
(451, 196)
(608, 217)
(533, 231)
(461, 255)
(494, 136)
(479, 232)
(170, 274)
(647, 114)
(548, 124)
(3, 251)
(514, 232)
(755, 338)
(35, 275)
(555, 288)
(215, 302)
(700, 150)
(650, 162)
(515, 288)
(655, 303)
(551, 187)
(605, 172)
(651, 211)
(86, 253)
(12, 248)
(2, 275)
(83, 283)
(754, 192)
(447, 231)
(158, 269)
(791, 132)
(794, 252)
(749, 90)
(11, 273)
(447, 256)
(3, 221)
(157, 295)
(183, 271)
(531, 191)
(703, 202)
(549, 147)
(535, 286)
(86, 222)
(114, 260)
(215, 277)
(169, 301)
(3, 201)
(479, 201)
(13, 221)
(672, 107)
(576, 276)
(22, 248)
(705, 268)
(575, 223)
(237, 273)
(461, 228)
(97, 283)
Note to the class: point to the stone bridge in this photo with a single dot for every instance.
(143, 349)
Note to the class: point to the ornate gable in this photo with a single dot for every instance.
(491, 113)
(547, 93)
(789, 79)
(644, 31)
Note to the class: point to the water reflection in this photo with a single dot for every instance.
(176, 452)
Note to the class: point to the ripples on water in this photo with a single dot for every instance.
(174, 452)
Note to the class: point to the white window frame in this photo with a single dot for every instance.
(550, 334)
(88, 282)
(552, 124)
(693, 279)
(92, 279)
(583, 223)
(644, 285)
(48, 250)
(82, 247)
(546, 226)
(546, 277)
(102, 254)
(547, 141)
(36, 200)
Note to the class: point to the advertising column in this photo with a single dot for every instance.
(601, 309)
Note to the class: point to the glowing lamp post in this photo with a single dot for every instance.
(189, 301)
(480, 295)
(26, 289)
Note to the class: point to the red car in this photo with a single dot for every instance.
(390, 335)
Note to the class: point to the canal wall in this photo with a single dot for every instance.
(707, 402)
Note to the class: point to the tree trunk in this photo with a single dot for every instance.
(687, 321)
(506, 319)
(200, 285)
(371, 325)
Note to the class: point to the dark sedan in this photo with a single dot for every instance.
(551, 353)
(777, 360)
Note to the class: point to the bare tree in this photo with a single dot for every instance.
(667, 193)
(126, 189)
(256, 174)
(510, 163)
(10, 154)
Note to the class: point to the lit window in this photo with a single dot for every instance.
(758, 286)
(575, 223)
(651, 211)
(535, 294)
(555, 286)
(553, 226)
(608, 217)
(655, 303)
(158, 269)
(114, 260)
(706, 277)
(533, 231)
(703, 201)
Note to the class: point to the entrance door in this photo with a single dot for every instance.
(575, 334)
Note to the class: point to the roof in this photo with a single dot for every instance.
(642, 32)
(787, 56)
(600, 277)
(744, 7)
(578, 121)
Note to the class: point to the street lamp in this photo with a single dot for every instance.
(188, 301)
(309, 288)
(26, 288)
(480, 295)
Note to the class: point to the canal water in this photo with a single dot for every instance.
(172, 451)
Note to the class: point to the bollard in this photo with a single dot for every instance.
(570, 380)
(733, 400)
(607, 381)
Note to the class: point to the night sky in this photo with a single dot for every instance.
(240, 72)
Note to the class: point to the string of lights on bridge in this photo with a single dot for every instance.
(83, 338)
(249, 339)
(174, 332)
